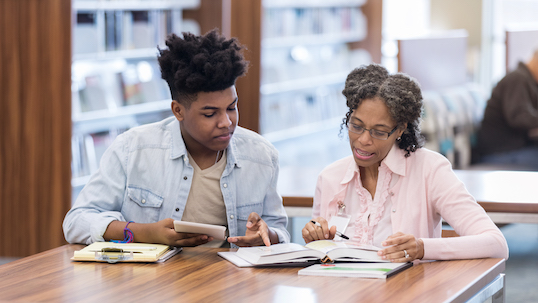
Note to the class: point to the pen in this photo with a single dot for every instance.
(337, 232)
(128, 248)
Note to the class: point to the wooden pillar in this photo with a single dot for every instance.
(373, 9)
(35, 124)
(209, 15)
(240, 19)
(246, 26)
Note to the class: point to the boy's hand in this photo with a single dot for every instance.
(164, 232)
(258, 233)
(161, 232)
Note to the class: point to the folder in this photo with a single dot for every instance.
(125, 252)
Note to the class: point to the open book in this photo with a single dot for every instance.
(355, 270)
(321, 250)
(125, 252)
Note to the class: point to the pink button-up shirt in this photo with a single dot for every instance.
(420, 190)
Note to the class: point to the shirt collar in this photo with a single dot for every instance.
(180, 150)
(178, 145)
(395, 162)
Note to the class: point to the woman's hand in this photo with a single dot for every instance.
(320, 231)
(402, 248)
(258, 233)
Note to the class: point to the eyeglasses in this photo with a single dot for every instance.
(378, 134)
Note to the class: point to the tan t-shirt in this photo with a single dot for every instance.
(205, 203)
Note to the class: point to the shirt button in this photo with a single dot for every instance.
(391, 193)
(143, 201)
(177, 209)
(185, 178)
(225, 185)
(394, 210)
(231, 216)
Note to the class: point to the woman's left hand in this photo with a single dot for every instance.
(402, 248)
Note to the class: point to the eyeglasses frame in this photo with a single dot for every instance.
(370, 131)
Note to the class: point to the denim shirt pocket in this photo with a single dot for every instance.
(144, 205)
(243, 211)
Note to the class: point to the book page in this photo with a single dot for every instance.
(323, 245)
(280, 249)
(277, 253)
(346, 251)
(328, 245)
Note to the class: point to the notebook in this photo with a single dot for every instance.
(125, 252)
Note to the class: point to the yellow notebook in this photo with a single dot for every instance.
(125, 252)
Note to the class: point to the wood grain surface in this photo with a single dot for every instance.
(35, 124)
(200, 275)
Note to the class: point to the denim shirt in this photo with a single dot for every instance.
(145, 176)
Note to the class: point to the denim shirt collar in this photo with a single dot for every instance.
(179, 149)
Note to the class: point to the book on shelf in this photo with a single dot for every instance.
(355, 270)
(131, 85)
(99, 91)
(144, 31)
(92, 95)
(152, 86)
(87, 150)
(110, 31)
(316, 251)
(79, 164)
(85, 34)
(101, 141)
(121, 30)
(125, 252)
(300, 21)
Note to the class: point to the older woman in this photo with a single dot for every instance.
(391, 192)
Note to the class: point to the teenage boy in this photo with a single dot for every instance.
(197, 166)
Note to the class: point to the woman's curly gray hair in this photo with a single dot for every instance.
(400, 93)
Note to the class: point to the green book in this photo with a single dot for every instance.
(355, 270)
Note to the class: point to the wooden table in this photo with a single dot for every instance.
(507, 196)
(200, 275)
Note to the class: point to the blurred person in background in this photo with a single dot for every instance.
(509, 131)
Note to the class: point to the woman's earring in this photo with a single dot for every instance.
(399, 138)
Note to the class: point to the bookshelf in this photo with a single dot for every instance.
(116, 83)
(307, 50)
(308, 95)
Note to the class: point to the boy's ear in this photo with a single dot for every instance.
(178, 110)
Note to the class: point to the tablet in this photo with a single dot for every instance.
(218, 232)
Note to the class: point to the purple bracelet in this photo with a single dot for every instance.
(127, 233)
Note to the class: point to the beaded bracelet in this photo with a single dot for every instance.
(127, 233)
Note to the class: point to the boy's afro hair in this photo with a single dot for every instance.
(205, 63)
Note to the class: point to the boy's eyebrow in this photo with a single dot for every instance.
(213, 108)
(235, 101)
